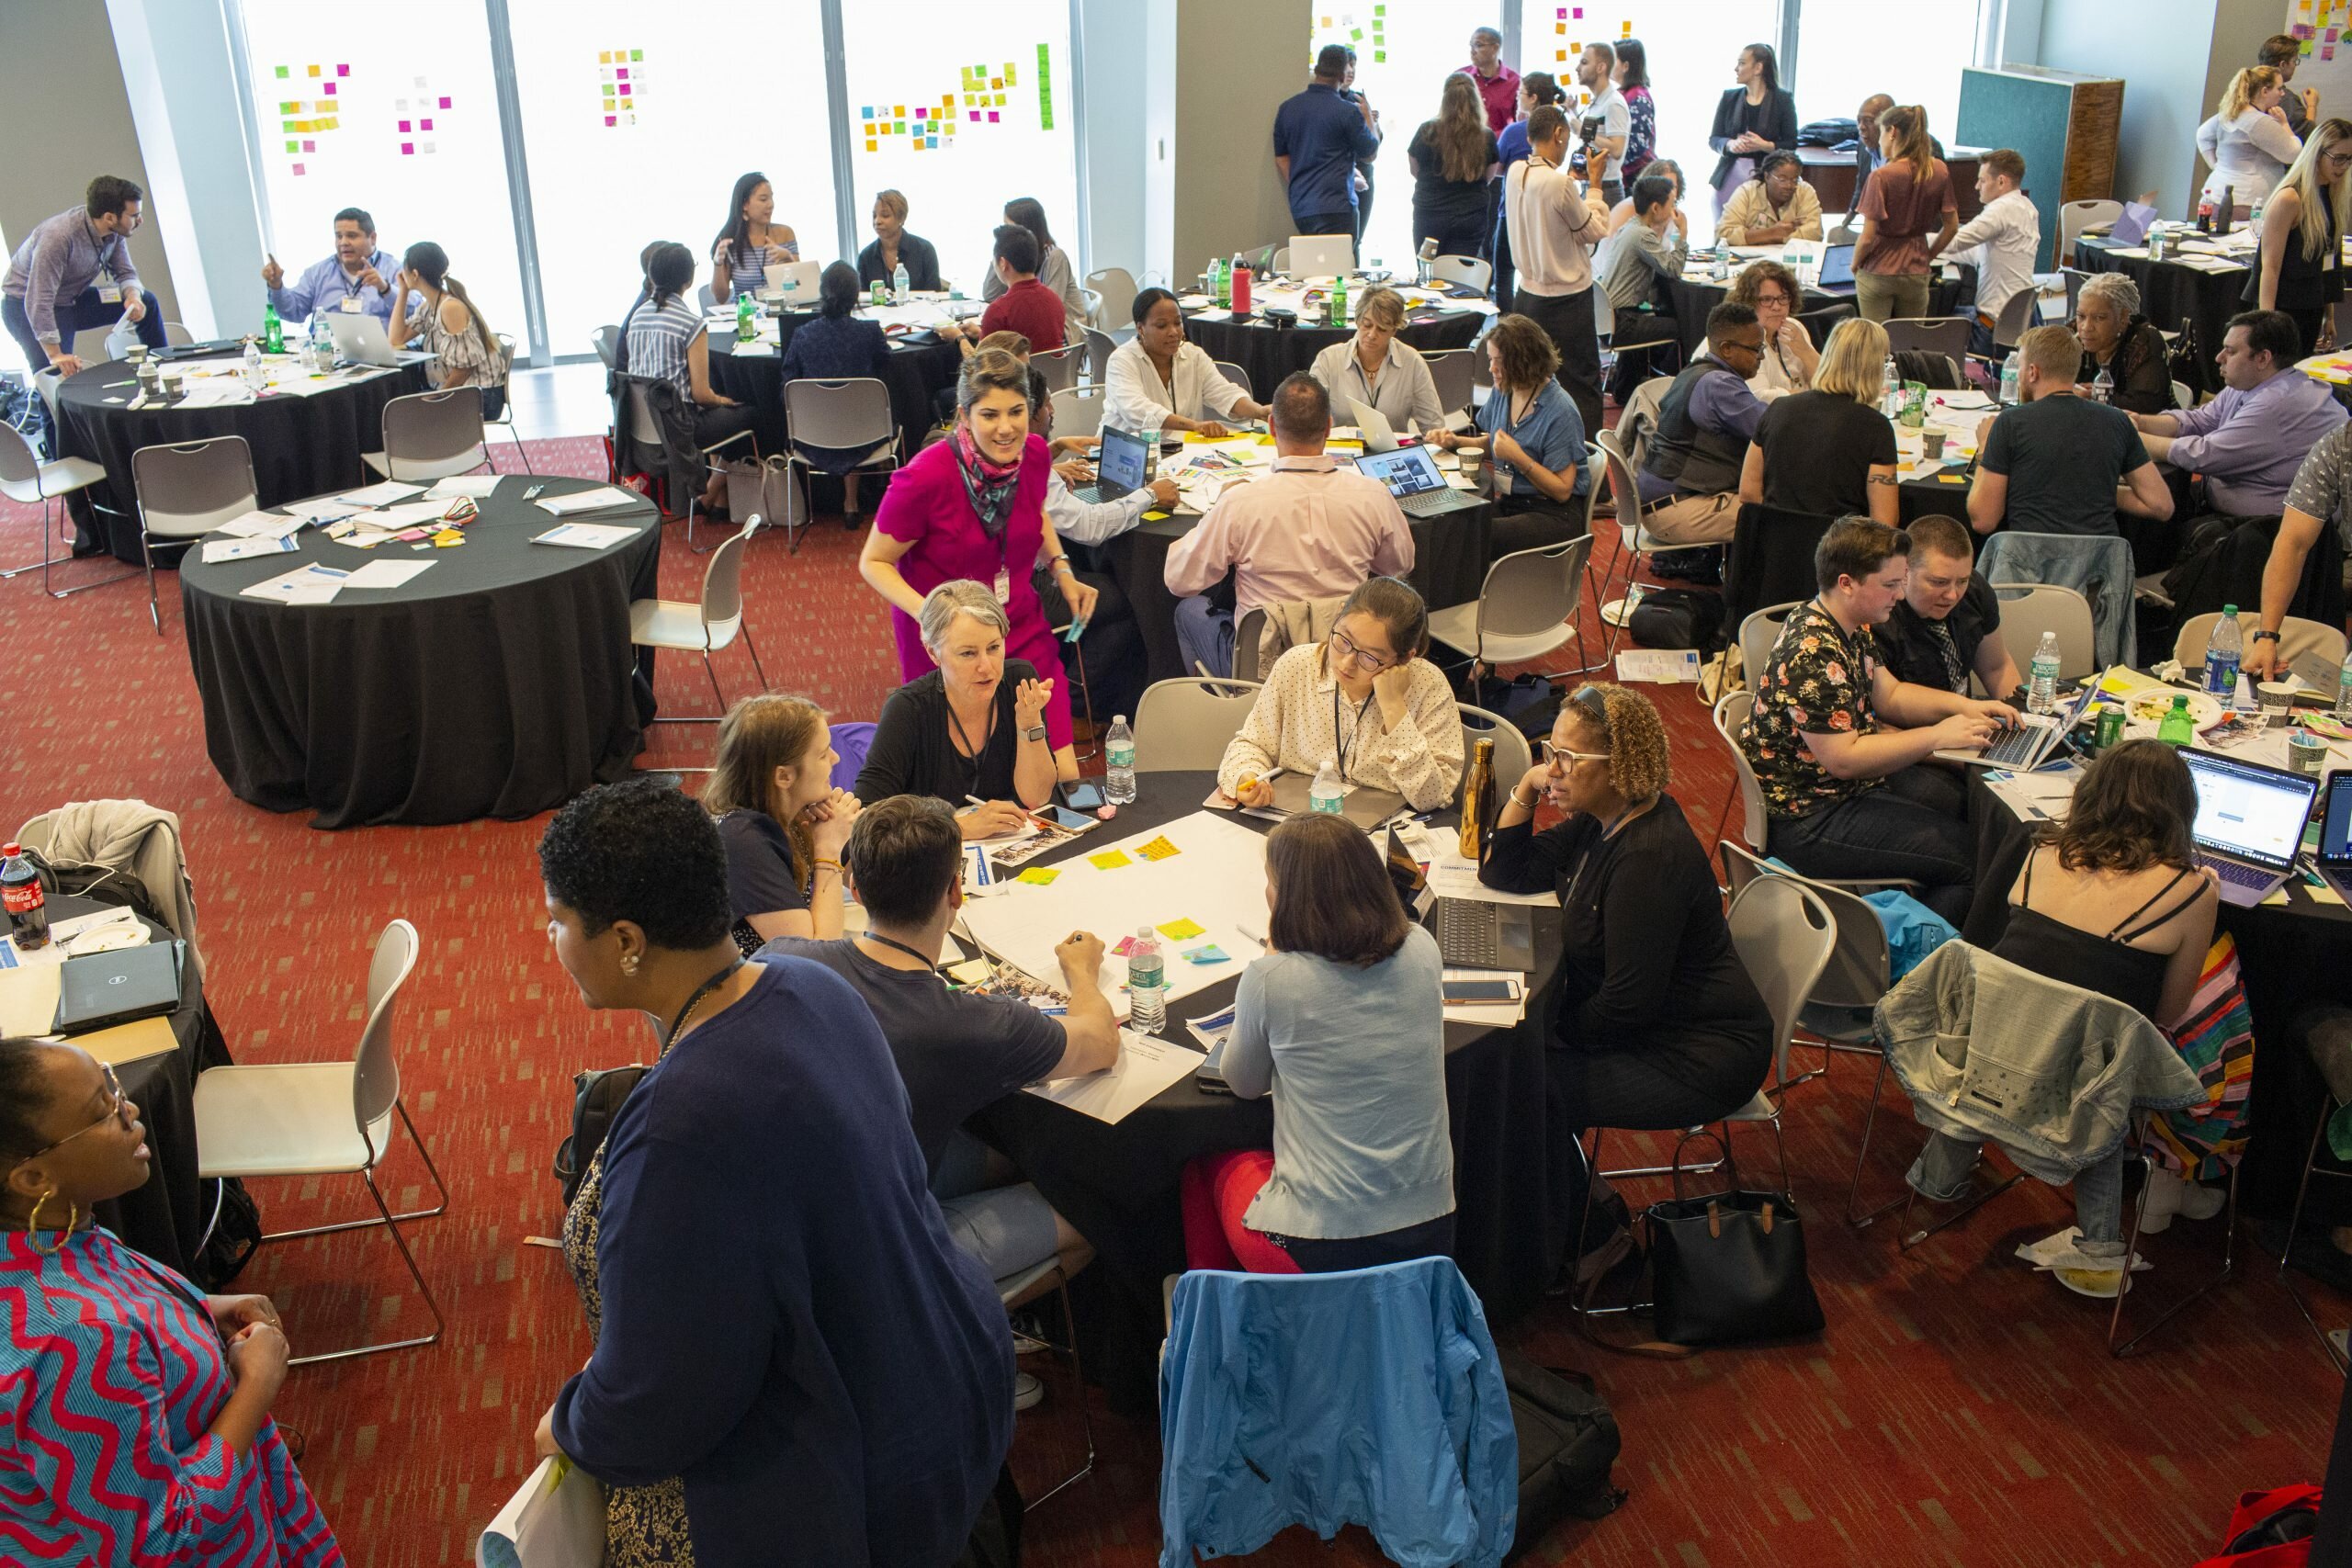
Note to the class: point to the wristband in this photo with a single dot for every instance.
(1061, 563)
(1522, 805)
(2265, 637)
(833, 865)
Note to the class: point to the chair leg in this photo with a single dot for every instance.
(1861, 1154)
(2132, 1251)
(414, 1273)
(49, 559)
(45, 547)
(1077, 1376)
(711, 669)
(2294, 1221)
(520, 450)
(757, 668)
(147, 557)
(1981, 1198)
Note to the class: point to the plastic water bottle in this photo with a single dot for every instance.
(253, 372)
(2343, 689)
(2042, 689)
(1339, 300)
(2010, 370)
(1890, 395)
(1325, 795)
(322, 344)
(2103, 387)
(2223, 650)
(791, 292)
(899, 289)
(2179, 727)
(747, 321)
(1119, 757)
(1146, 996)
(2155, 245)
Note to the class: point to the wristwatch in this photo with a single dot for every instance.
(2265, 637)
(1035, 732)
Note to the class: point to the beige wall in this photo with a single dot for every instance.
(1236, 60)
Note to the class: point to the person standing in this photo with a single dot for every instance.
(1908, 198)
(1535, 89)
(75, 272)
(1605, 127)
(1452, 158)
(2282, 52)
(1633, 77)
(2299, 267)
(1554, 233)
(355, 280)
(1363, 181)
(1750, 120)
(1498, 84)
(1318, 136)
(2247, 140)
(2003, 240)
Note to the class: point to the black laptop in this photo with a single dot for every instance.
(2333, 857)
(1471, 933)
(1120, 468)
(103, 989)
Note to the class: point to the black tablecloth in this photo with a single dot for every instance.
(920, 367)
(499, 684)
(1118, 1184)
(1449, 568)
(2171, 293)
(301, 445)
(1269, 353)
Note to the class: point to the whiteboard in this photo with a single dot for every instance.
(2326, 28)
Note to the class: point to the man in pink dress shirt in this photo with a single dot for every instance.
(1313, 529)
(1498, 84)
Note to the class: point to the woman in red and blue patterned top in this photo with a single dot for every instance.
(134, 1409)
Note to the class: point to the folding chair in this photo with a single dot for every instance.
(703, 626)
(25, 480)
(186, 492)
(505, 419)
(430, 435)
(646, 431)
(843, 416)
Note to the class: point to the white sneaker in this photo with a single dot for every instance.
(2169, 1194)
(1027, 1392)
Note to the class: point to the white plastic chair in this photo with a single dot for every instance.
(1784, 935)
(312, 1119)
(1078, 411)
(1455, 371)
(186, 492)
(1185, 725)
(1757, 636)
(1234, 374)
(1463, 272)
(505, 419)
(844, 416)
(1115, 290)
(28, 481)
(2030, 609)
(607, 339)
(2073, 217)
(430, 435)
(1526, 608)
(1636, 542)
(1100, 347)
(645, 430)
(1060, 366)
(1947, 335)
(703, 626)
(2297, 637)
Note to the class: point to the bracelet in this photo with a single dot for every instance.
(1061, 563)
(1522, 805)
(832, 866)
(2265, 635)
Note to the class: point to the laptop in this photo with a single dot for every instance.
(1471, 933)
(1120, 468)
(359, 339)
(1837, 270)
(2033, 741)
(107, 988)
(1412, 477)
(2249, 822)
(2334, 859)
(1364, 806)
(803, 276)
(1379, 435)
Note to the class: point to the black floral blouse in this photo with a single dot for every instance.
(1817, 679)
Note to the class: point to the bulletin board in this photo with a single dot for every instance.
(2325, 28)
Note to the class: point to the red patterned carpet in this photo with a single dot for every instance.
(1958, 1410)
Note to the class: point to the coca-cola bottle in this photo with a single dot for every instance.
(20, 895)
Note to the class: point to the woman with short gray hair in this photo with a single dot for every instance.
(972, 730)
(2119, 340)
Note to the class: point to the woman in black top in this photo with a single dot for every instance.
(893, 246)
(1654, 1023)
(1826, 450)
(2300, 267)
(783, 821)
(1451, 157)
(971, 732)
(2119, 340)
(1750, 120)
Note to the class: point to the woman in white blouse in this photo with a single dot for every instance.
(1364, 699)
(2247, 140)
(1157, 381)
(1789, 359)
(1376, 370)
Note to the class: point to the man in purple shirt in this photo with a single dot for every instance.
(2248, 442)
(1498, 84)
(74, 271)
(1705, 423)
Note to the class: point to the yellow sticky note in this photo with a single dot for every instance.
(971, 972)
(1148, 516)
(448, 537)
(1109, 860)
(1952, 479)
(869, 144)
(315, 70)
(1159, 849)
(1038, 876)
(1180, 930)
(604, 57)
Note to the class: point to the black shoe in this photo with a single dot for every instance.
(85, 547)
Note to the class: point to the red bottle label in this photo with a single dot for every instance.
(22, 898)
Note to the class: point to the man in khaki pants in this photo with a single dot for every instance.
(1704, 425)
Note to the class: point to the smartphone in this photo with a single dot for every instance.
(1077, 822)
(1210, 1082)
(1082, 796)
(1464, 992)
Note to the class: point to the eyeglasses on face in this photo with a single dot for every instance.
(1545, 751)
(1344, 647)
(117, 1109)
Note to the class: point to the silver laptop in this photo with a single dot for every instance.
(2249, 822)
(1412, 477)
(1379, 435)
(1121, 467)
(359, 339)
(1366, 806)
(803, 276)
(2033, 741)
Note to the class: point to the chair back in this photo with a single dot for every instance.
(1513, 754)
(1532, 593)
(1947, 335)
(1455, 371)
(2097, 566)
(2182, 398)
(1078, 411)
(1770, 559)
(722, 586)
(1246, 633)
(2075, 278)
(19, 464)
(1466, 271)
(1618, 464)
(1060, 366)
(1731, 717)
(1641, 417)
(1758, 633)
(2015, 318)
(46, 383)
(1116, 291)
(1100, 345)
(1317, 255)
(608, 341)
(2297, 637)
(177, 335)
(1183, 725)
(1093, 315)
(2073, 217)
(642, 426)
(2030, 609)
(704, 300)
(195, 487)
(1860, 966)
(376, 1072)
(1234, 374)
(845, 415)
(1784, 935)
(1279, 260)
(852, 738)
(430, 435)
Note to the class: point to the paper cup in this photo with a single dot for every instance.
(1931, 445)
(2306, 753)
(2276, 697)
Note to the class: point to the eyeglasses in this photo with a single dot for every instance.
(1547, 752)
(1344, 646)
(117, 1109)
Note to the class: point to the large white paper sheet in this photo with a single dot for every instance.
(1146, 1067)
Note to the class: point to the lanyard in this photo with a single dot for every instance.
(1339, 741)
(872, 936)
(974, 758)
(700, 991)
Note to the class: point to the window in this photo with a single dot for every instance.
(960, 116)
(635, 124)
(350, 112)
(1842, 54)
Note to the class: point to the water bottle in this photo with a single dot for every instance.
(2155, 245)
(1718, 269)
(1339, 300)
(273, 331)
(253, 372)
(1890, 393)
(2042, 691)
(1146, 996)
(2221, 653)
(898, 289)
(791, 291)
(747, 325)
(1119, 758)
(2010, 367)
(2103, 387)
(2343, 689)
(1325, 795)
(322, 344)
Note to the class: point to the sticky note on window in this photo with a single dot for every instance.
(1038, 876)
(604, 57)
(1159, 849)
(282, 71)
(315, 70)
(1181, 930)
(445, 103)
(1109, 860)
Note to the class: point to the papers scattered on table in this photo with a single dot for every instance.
(218, 550)
(385, 573)
(597, 500)
(404, 514)
(584, 535)
(1146, 1066)
(323, 509)
(312, 584)
(260, 525)
(383, 494)
(476, 486)
(1673, 666)
(214, 392)
(1451, 876)
(2036, 797)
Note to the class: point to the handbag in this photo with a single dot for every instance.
(2271, 1530)
(597, 1099)
(1729, 1267)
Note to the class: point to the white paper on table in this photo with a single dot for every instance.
(326, 509)
(597, 500)
(403, 514)
(214, 393)
(1496, 1015)
(218, 550)
(1146, 1067)
(1670, 666)
(2036, 797)
(383, 494)
(312, 584)
(1215, 313)
(1451, 876)
(260, 525)
(584, 535)
(472, 486)
(385, 573)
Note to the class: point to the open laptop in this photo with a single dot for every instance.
(359, 339)
(1119, 469)
(1321, 255)
(1471, 933)
(1837, 270)
(803, 276)
(2249, 822)
(1412, 477)
(2334, 859)
(2035, 738)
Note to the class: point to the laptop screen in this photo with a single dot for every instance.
(1409, 471)
(1121, 459)
(2247, 810)
(1837, 268)
(2335, 822)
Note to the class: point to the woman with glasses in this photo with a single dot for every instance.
(136, 1426)
(1531, 435)
(2117, 339)
(1657, 1025)
(2300, 267)
(1790, 359)
(1364, 700)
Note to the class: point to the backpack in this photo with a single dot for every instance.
(597, 1097)
(1567, 1441)
(1677, 617)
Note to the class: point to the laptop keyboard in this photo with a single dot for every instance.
(2244, 875)
(1426, 503)
(2015, 746)
(1466, 930)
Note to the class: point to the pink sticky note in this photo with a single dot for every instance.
(424, 125)
(445, 103)
(298, 168)
(992, 117)
(407, 148)
(310, 146)
(405, 126)
(329, 89)
(1579, 12)
(343, 70)
(608, 120)
(622, 72)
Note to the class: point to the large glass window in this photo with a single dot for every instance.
(1842, 47)
(960, 116)
(636, 123)
(404, 123)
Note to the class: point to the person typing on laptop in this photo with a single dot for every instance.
(1945, 627)
(1534, 437)
(1313, 529)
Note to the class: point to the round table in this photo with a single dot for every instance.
(1269, 352)
(301, 445)
(501, 683)
(1118, 1184)
(922, 366)
(1690, 298)
(2171, 293)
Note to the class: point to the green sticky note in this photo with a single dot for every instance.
(634, 55)
(291, 107)
(1179, 930)
(282, 72)
(1380, 57)
(294, 147)
(1038, 876)
(1109, 860)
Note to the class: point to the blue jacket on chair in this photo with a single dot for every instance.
(2097, 566)
(1371, 1398)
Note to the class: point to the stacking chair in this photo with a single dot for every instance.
(1183, 726)
(2297, 637)
(704, 626)
(646, 431)
(430, 435)
(28, 481)
(852, 416)
(1947, 335)
(1513, 755)
(1758, 633)
(313, 1119)
(1060, 366)
(2030, 609)
(1100, 347)
(1114, 288)
(1093, 315)
(505, 419)
(186, 491)
(1234, 374)
(1637, 543)
(1784, 935)
(1280, 260)
(1455, 371)
(607, 339)
(1078, 411)
(1461, 272)
(1526, 609)
(177, 335)
(1019, 1292)
(2076, 277)
(2073, 217)
(1247, 629)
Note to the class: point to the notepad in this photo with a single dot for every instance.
(584, 535)
(383, 494)
(474, 486)
(218, 550)
(313, 585)
(598, 499)
(385, 573)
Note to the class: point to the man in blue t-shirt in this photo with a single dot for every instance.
(1318, 136)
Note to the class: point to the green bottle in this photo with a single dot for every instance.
(273, 331)
(747, 324)
(2179, 727)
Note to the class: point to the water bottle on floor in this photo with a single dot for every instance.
(2042, 691)
(1146, 996)
(1119, 763)
(1326, 793)
(2223, 650)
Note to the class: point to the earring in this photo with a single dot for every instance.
(32, 1225)
(628, 965)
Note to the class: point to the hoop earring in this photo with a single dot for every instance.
(32, 1225)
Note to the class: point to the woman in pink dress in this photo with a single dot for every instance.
(973, 506)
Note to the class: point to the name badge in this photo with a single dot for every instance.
(350, 305)
(1003, 586)
(110, 291)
